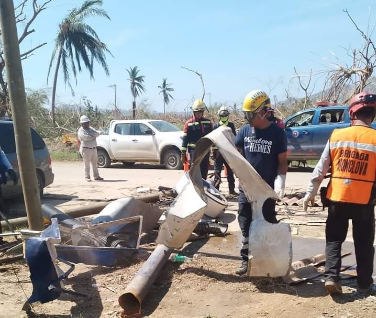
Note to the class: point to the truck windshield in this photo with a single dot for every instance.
(164, 126)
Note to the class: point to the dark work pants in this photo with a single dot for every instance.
(363, 221)
(218, 164)
(245, 219)
(204, 166)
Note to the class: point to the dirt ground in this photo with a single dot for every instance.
(206, 286)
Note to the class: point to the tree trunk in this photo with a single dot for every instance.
(164, 108)
(24, 146)
(134, 108)
(54, 86)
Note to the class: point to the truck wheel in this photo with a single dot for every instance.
(104, 160)
(128, 163)
(172, 160)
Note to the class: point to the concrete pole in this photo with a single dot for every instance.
(20, 115)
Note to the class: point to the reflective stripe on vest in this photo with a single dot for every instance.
(192, 145)
(193, 124)
(353, 157)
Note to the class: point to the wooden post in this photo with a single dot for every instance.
(22, 133)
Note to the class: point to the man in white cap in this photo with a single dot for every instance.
(88, 148)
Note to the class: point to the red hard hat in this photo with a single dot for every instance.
(360, 101)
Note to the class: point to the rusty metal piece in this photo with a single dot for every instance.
(137, 289)
(314, 260)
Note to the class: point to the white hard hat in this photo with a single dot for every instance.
(84, 119)
(223, 111)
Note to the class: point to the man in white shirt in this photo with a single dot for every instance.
(88, 148)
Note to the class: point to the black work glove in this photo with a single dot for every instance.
(13, 176)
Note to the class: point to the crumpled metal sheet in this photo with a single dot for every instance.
(271, 244)
(128, 207)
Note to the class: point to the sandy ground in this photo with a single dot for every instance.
(205, 287)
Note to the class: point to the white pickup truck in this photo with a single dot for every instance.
(130, 141)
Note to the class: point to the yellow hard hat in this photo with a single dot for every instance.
(255, 101)
(198, 106)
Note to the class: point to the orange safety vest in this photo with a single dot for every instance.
(353, 164)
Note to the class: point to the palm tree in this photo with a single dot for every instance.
(165, 88)
(137, 86)
(77, 43)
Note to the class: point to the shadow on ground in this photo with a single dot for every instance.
(300, 169)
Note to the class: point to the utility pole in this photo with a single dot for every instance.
(22, 133)
(114, 86)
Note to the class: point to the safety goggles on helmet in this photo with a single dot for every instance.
(223, 113)
(251, 115)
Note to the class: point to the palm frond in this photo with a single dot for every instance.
(92, 12)
(68, 46)
(87, 5)
(64, 64)
(164, 90)
(136, 81)
(80, 42)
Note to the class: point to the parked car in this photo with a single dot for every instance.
(309, 130)
(41, 157)
(130, 141)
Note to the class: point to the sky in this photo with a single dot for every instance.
(237, 46)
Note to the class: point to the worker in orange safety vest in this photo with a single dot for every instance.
(350, 154)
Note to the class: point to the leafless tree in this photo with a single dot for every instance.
(354, 76)
(24, 23)
(199, 75)
(304, 85)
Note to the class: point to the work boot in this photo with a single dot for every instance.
(88, 179)
(333, 287)
(365, 291)
(242, 270)
(98, 179)
(232, 191)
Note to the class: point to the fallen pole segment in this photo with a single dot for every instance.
(137, 289)
(82, 211)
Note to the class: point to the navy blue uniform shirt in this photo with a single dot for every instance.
(261, 149)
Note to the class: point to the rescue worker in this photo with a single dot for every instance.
(350, 154)
(88, 148)
(223, 115)
(5, 168)
(194, 128)
(264, 146)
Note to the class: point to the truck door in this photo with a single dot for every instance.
(328, 119)
(144, 143)
(121, 141)
(299, 133)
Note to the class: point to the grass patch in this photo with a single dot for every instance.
(64, 156)
(312, 162)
